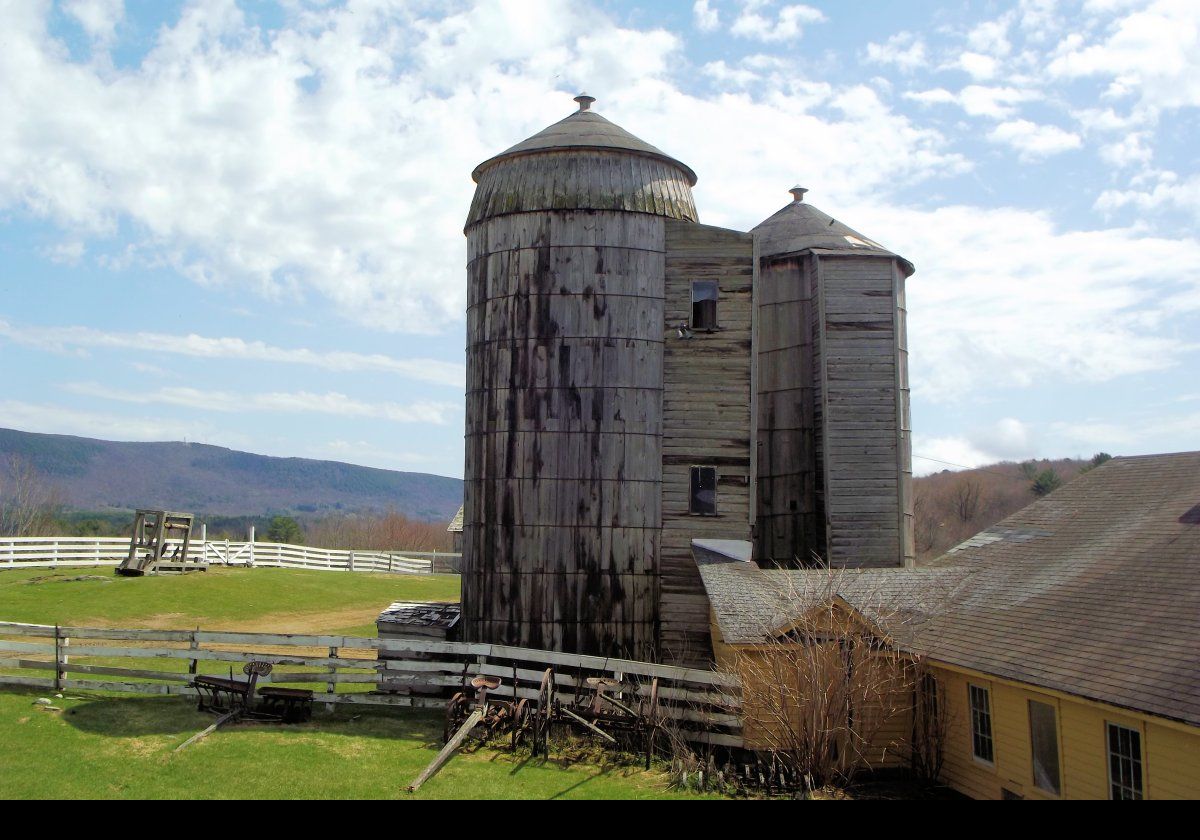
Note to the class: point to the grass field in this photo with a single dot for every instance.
(120, 746)
(114, 747)
(252, 600)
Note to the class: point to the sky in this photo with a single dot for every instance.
(240, 223)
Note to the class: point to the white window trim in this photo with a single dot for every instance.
(1108, 754)
(1058, 745)
(987, 689)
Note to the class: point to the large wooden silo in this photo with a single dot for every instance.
(562, 515)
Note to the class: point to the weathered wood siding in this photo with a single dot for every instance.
(790, 514)
(706, 422)
(864, 397)
(564, 432)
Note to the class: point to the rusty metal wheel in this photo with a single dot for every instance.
(543, 715)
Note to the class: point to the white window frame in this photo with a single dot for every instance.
(1140, 759)
(1053, 707)
(990, 736)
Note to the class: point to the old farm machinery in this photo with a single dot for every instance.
(233, 700)
(623, 715)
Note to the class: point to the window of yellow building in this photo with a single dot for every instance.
(1043, 732)
(981, 722)
(1124, 762)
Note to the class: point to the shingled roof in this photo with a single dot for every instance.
(1093, 591)
(456, 524)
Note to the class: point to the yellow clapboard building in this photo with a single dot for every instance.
(1059, 647)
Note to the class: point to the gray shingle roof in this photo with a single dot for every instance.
(800, 227)
(456, 524)
(1093, 591)
(585, 130)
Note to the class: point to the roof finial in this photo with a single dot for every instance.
(585, 101)
(798, 193)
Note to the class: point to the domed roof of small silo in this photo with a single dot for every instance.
(800, 227)
(583, 162)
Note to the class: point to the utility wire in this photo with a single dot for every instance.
(962, 466)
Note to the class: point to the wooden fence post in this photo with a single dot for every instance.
(61, 643)
(250, 562)
(352, 561)
(194, 645)
(332, 685)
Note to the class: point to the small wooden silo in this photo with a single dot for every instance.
(834, 449)
(562, 514)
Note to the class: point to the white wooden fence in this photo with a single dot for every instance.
(55, 552)
(704, 706)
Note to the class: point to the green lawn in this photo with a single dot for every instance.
(109, 746)
(104, 745)
(254, 600)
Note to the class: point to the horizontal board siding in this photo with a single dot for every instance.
(863, 444)
(706, 421)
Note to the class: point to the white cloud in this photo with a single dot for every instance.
(1003, 298)
(327, 159)
(64, 339)
(1151, 55)
(59, 420)
(978, 100)
(707, 18)
(755, 21)
(1166, 191)
(1034, 141)
(98, 18)
(903, 50)
(991, 37)
(978, 66)
(293, 402)
(1131, 150)
(1008, 439)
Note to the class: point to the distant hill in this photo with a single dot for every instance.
(99, 475)
(951, 507)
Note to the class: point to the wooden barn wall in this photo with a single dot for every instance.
(564, 421)
(706, 422)
(790, 519)
(864, 444)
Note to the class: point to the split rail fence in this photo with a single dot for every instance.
(700, 706)
(67, 552)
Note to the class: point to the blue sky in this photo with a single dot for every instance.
(240, 223)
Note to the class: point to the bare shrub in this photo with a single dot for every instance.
(966, 500)
(835, 695)
(29, 505)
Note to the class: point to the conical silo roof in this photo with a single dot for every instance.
(583, 162)
(584, 129)
(800, 227)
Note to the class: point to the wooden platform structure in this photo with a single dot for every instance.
(159, 544)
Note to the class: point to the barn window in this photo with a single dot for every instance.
(1124, 762)
(704, 305)
(702, 500)
(981, 723)
(1043, 735)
